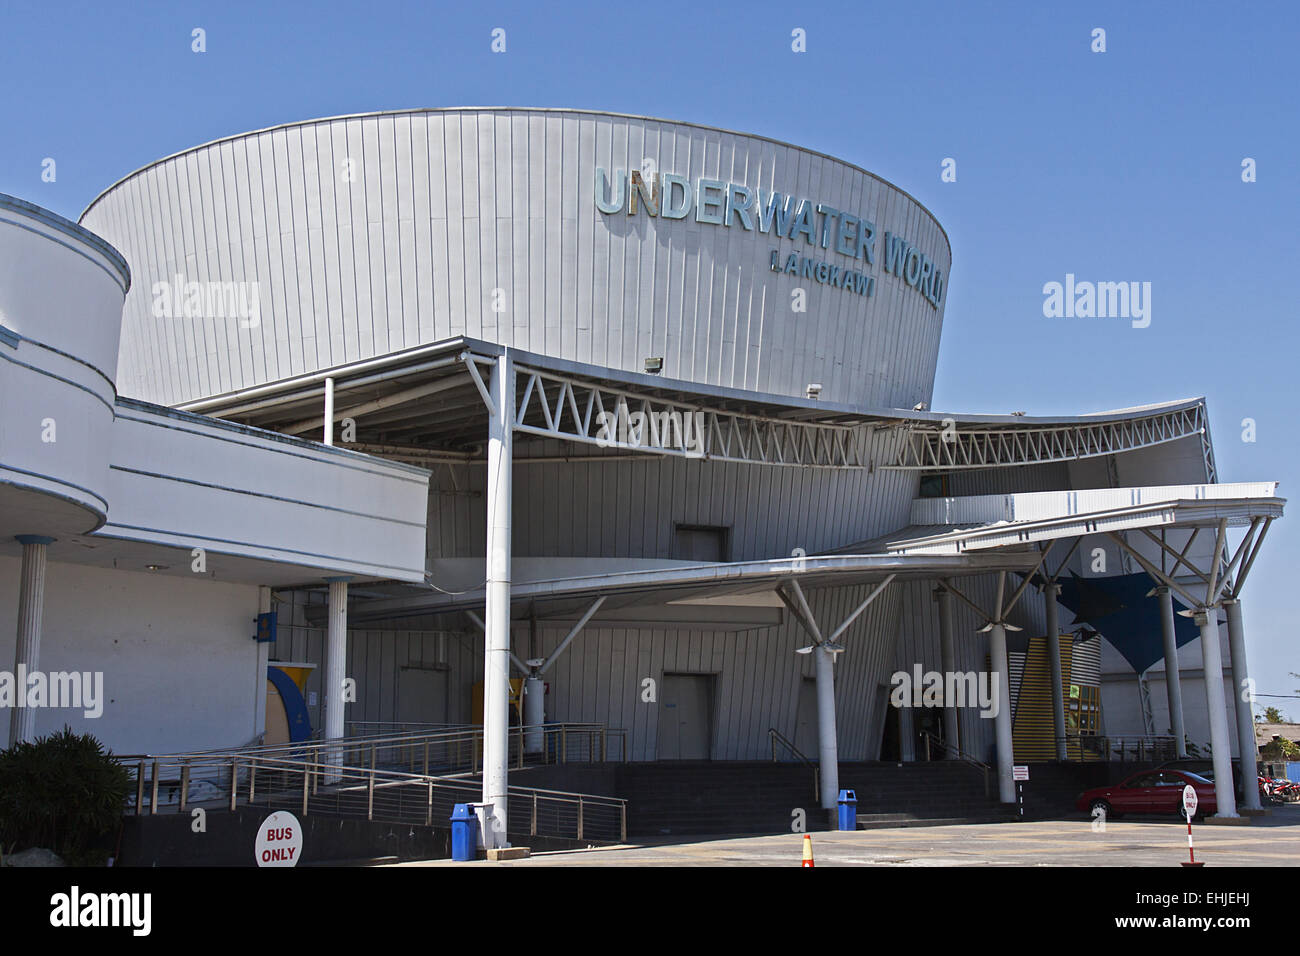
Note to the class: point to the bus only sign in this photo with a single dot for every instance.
(279, 840)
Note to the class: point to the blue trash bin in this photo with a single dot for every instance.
(464, 833)
(848, 804)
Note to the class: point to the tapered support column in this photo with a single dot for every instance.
(1242, 692)
(1220, 741)
(336, 662)
(27, 651)
(948, 661)
(1173, 683)
(496, 618)
(1002, 717)
(534, 715)
(1050, 594)
(827, 745)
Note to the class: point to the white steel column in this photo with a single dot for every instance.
(824, 651)
(1220, 742)
(496, 632)
(27, 651)
(1242, 693)
(1173, 683)
(1002, 718)
(329, 411)
(827, 747)
(336, 658)
(948, 662)
(1050, 594)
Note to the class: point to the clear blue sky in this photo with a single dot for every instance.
(1123, 165)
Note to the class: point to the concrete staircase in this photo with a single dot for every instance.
(676, 799)
(922, 794)
(687, 798)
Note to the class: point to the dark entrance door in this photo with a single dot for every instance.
(889, 742)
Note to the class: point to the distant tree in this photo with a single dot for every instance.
(1273, 716)
(1278, 750)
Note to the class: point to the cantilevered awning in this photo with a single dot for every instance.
(948, 526)
(429, 404)
(693, 583)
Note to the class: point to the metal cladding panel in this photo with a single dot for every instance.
(918, 641)
(375, 660)
(599, 678)
(1051, 476)
(1046, 505)
(631, 507)
(369, 234)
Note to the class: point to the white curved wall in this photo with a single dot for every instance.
(185, 481)
(76, 459)
(61, 295)
(448, 206)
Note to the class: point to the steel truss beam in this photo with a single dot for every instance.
(572, 409)
(952, 446)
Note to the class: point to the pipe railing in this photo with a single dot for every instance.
(773, 735)
(1139, 748)
(440, 752)
(177, 783)
(931, 743)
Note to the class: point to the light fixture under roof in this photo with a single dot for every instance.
(156, 567)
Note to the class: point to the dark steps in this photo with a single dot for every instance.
(674, 799)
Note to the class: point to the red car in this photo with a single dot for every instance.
(1151, 791)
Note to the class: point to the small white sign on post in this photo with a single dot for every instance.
(1020, 772)
(279, 840)
(1190, 800)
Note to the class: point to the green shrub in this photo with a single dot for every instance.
(64, 792)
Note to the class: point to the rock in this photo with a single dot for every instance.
(36, 856)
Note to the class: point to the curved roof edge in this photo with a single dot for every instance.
(675, 389)
(512, 109)
(73, 229)
(1083, 418)
(732, 393)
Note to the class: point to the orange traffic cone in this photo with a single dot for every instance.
(807, 850)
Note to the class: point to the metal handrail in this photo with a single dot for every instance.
(386, 795)
(467, 739)
(956, 752)
(1142, 748)
(361, 728)
(773, 735)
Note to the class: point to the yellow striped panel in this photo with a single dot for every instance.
(1033, 732)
